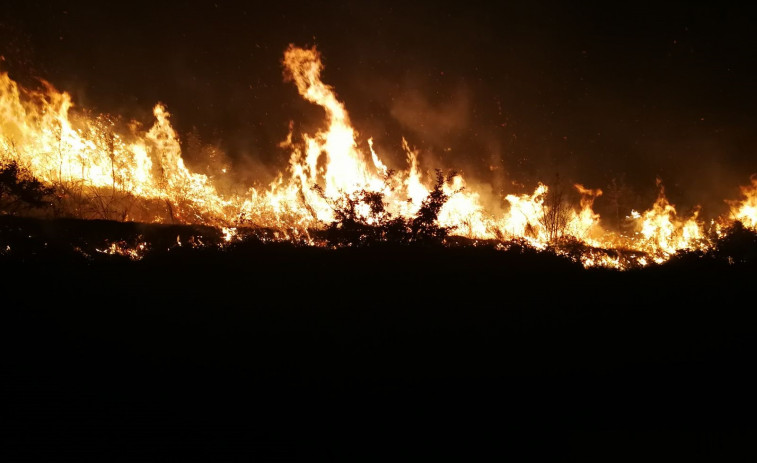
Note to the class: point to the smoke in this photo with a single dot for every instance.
(508, 97)
(436, 123)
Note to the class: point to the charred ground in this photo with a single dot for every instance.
(282, 350)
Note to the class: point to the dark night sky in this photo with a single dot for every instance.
(528, 88)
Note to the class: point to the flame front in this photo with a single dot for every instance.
(745, 210)
(101, 169)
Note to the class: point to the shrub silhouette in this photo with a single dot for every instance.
(20, 190)
(354, 227)
(737, 245)
(424, 226)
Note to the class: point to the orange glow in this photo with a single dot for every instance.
(103, 170)
(745, 210)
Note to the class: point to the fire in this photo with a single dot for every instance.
(101, 168)
(745, 210)
(122, 248)
(662, 233)
(586, 223)
(229, 234)
(92, 164)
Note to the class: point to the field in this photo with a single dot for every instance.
(276, 350)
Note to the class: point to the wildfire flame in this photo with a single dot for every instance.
(745, 210)
(101, 168)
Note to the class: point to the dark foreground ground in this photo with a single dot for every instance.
(270, 352)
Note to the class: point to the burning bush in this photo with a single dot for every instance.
(362, 219)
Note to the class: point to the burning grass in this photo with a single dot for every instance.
(94, 242)
(59, 162)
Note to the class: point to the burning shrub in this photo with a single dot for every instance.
(353, 226)
(362, 218)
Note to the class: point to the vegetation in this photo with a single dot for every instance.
(354, 227)
(20, 191)
(556, 211)
(362, 220)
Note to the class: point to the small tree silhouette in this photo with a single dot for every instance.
(556, 210)
(20, 190)
(425, 227)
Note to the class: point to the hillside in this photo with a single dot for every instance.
(304, 350)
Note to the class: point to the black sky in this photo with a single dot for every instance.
(508, 93)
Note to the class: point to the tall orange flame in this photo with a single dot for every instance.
(102, 170)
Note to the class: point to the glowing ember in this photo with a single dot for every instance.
(121, 248)
(229, 234)
(100, 169)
